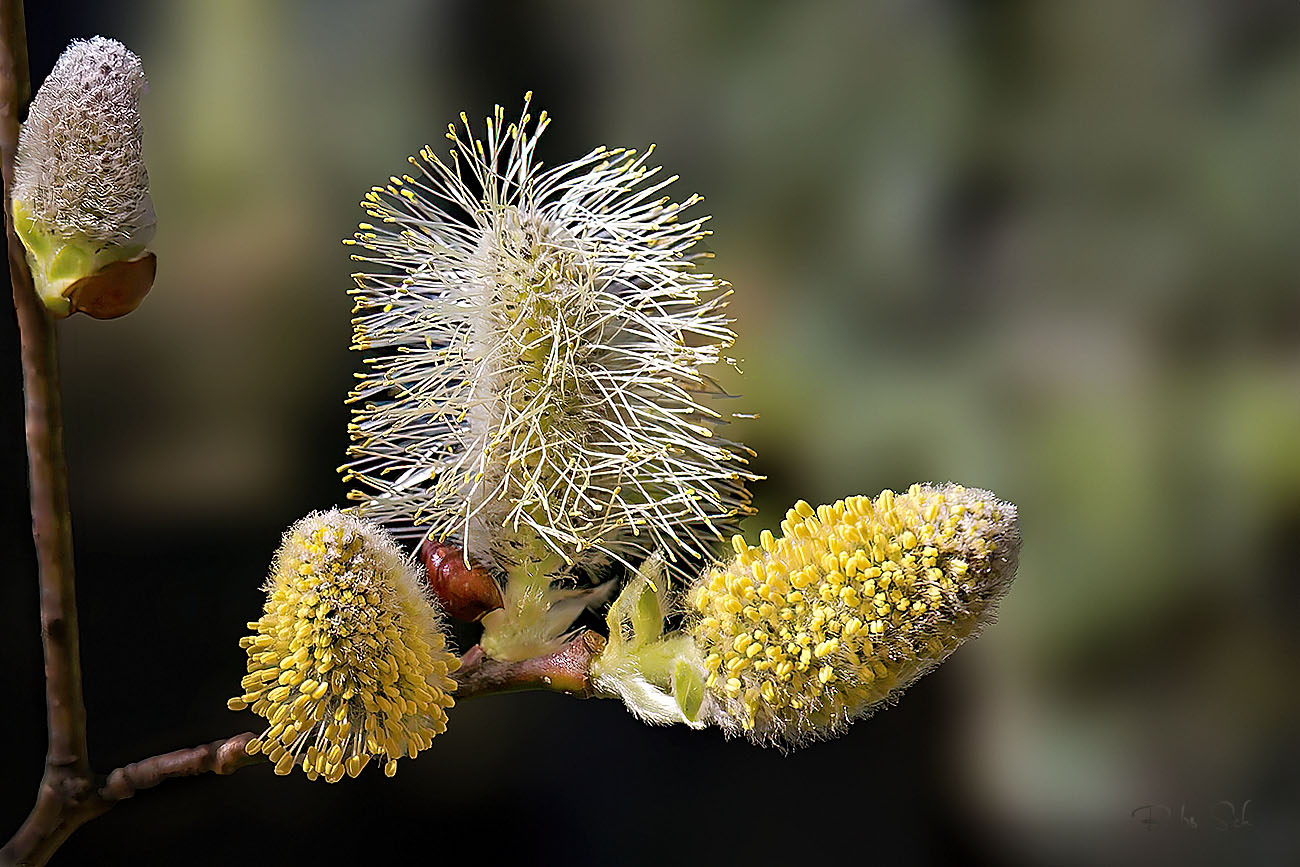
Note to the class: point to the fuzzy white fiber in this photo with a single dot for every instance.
(538, 348)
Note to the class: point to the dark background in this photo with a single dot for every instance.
(1048, 249)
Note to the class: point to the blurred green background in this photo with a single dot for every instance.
(1049, 249)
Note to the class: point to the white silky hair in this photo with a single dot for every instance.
(79, 166)
(539, 347)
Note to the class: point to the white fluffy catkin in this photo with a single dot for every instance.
(79, 168)
(540, 354)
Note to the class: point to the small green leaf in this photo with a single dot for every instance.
(647, 614)
(688, 689)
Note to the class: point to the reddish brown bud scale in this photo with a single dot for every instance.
(464, 592)
(114, 290)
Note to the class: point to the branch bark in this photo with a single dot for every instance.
(566, 670)
(67, 765)
(219, 757)
(67, 803)
(51, 522)
(65, 810)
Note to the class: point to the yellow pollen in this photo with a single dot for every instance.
(353, 644)
(858, 599)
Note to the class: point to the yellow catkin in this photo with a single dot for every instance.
(348, 661)
(805, 633)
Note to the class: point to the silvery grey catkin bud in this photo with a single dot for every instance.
(81, 201)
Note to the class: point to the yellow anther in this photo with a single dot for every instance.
(317, 641)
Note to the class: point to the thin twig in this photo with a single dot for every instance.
(67, 766)
(219, 757)
(55, 818)
(61, 812)
(566, 670)
(51, 524)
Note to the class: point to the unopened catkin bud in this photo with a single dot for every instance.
(808, 632)
(348, 661)
(465, 591)
(81, 201)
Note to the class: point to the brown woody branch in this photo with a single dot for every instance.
(60, 812)
(219, 757)
(566, 670)
(67, 765)
(51, 524)
(67, 803)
